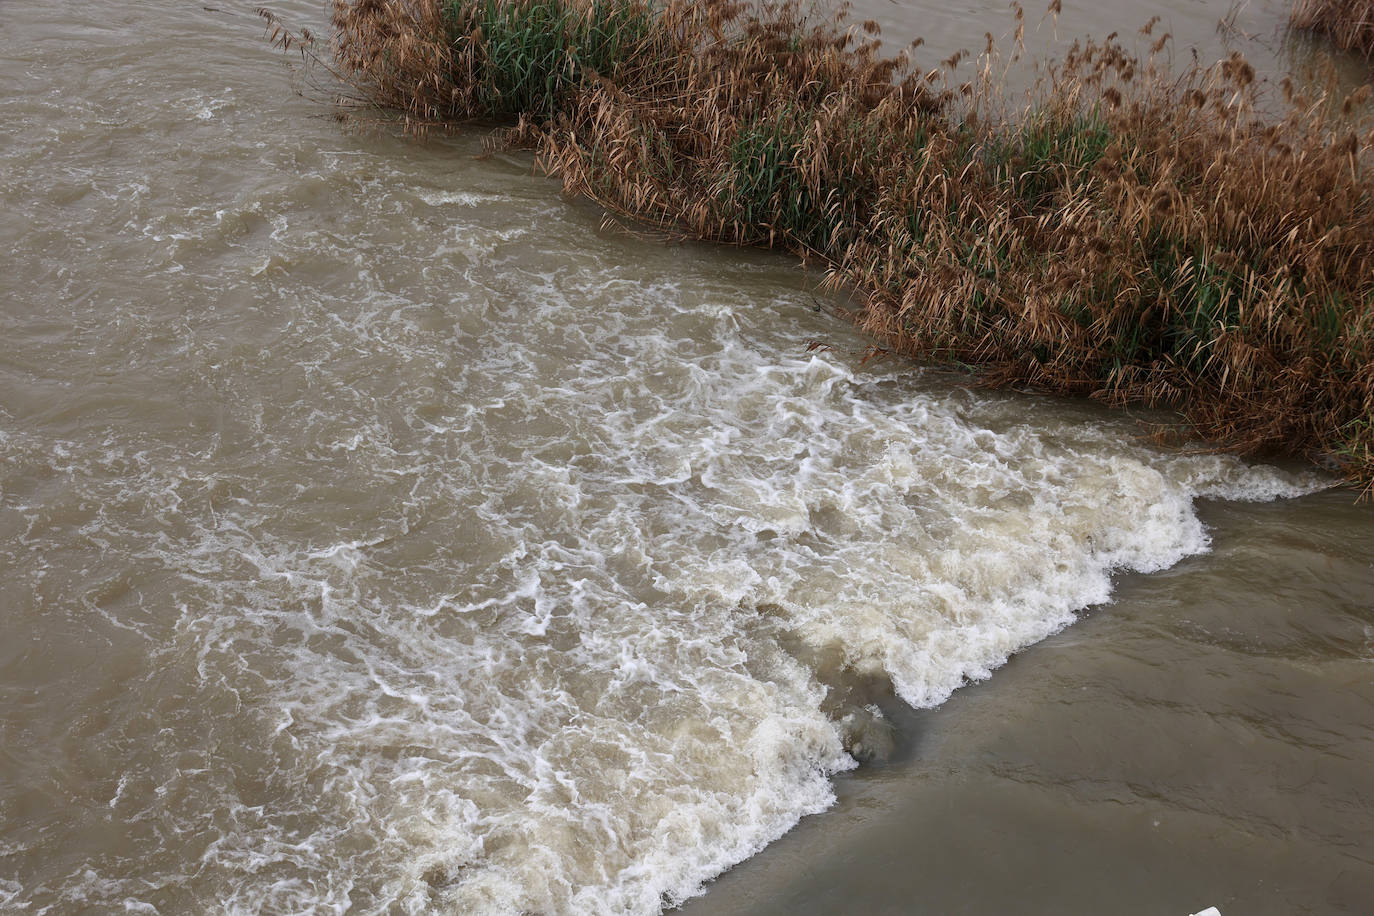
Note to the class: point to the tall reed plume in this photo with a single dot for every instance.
(1127, 234)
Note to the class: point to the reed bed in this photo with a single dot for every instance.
(1126, 233)
(1349, 23)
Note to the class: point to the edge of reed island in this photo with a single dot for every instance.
(1348, 23)
(1125, 232)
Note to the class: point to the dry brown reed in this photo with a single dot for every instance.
(1128, 234)
(1349, 23)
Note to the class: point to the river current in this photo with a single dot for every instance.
(381, 533)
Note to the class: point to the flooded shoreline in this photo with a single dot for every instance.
(1135, 230)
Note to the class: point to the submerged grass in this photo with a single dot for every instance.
(1128, 234)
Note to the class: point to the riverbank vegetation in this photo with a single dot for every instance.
(1124, 232)
(1349, 23)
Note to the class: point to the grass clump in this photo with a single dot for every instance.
(1127, 234)
(447, 60)
(1044, 153)
(532, 53)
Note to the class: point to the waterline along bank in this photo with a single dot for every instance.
(1127, 233)
(1349, 23)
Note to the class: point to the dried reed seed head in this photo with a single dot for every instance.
(1238, 70)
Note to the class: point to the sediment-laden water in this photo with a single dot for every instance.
(380, 534)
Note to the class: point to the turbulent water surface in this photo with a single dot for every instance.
(380, 534)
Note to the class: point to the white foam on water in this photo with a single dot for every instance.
(545, 673)
(440, 198)
(10, 892)
(586, 708)
(490, 585)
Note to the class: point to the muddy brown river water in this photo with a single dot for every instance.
(379, 534)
